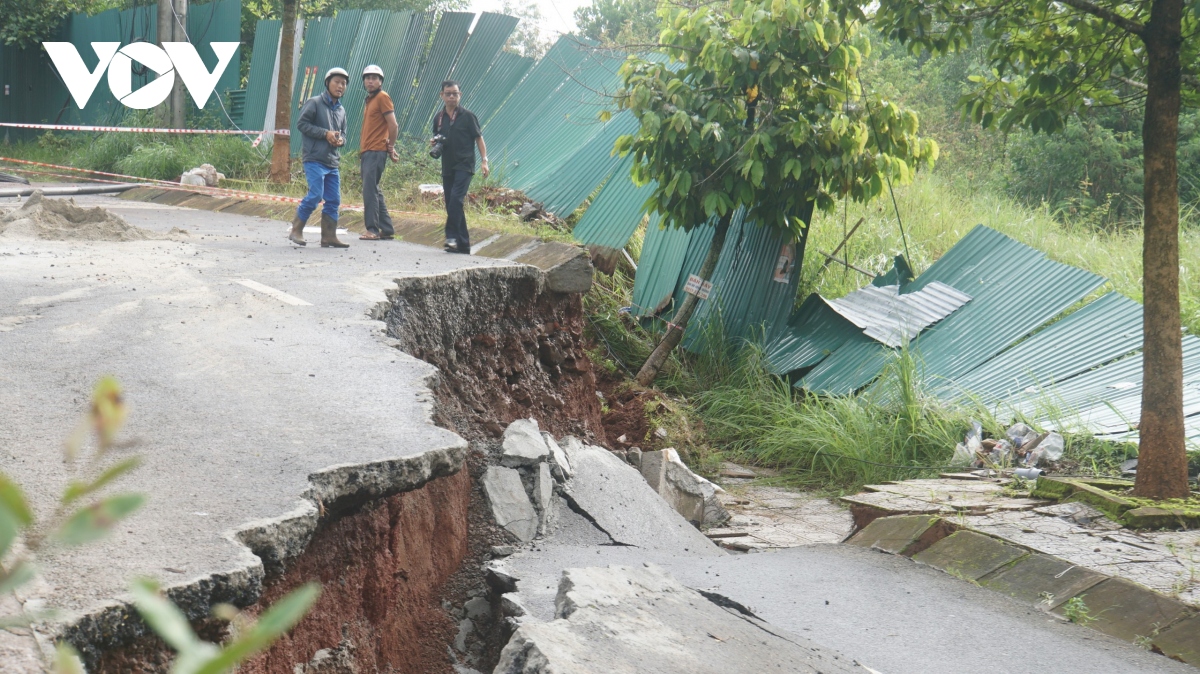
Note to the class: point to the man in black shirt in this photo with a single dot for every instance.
(460, 128)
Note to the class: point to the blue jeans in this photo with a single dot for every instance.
(324, 184)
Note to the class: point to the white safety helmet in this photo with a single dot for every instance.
(336, 71)
(373, 70)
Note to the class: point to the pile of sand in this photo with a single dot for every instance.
(62, 220)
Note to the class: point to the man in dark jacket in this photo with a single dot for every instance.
(460, 129)
(323, 123)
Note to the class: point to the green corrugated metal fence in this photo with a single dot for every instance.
(448, 41)
(262, 67)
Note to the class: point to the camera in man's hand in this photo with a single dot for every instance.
(435, 146)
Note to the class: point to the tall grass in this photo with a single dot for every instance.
(895, 432)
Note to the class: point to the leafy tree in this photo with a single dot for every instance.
(1052, 58)
(619, 22)
(527, 39)
(759, 109)
(27, 23)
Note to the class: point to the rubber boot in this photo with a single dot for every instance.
(329, 233)
(297, 235)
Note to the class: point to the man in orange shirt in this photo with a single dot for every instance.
(378, 142)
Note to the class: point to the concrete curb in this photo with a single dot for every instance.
(568, 267)
(1114, 606)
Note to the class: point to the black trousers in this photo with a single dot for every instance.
(454, 186)
(375, 214)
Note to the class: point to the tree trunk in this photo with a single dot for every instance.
(675, 330)
(1162, 458)
(281, 151)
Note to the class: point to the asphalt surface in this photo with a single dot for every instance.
(883, 611)
(248, 364)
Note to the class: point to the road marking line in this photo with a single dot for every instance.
(277, 294)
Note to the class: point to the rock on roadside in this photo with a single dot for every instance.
(510, 504)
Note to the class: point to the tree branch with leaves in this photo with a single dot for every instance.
(758, 108)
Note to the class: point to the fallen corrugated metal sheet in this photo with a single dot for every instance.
(1015, 289)
(752, 296)
(502, 77)
(813, 332)
(889, 317)
(563, 190)
(1104, 330)
(662, 257)
(616, 212)
(482, 48)
(448, 41)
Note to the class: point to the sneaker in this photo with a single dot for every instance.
(451, 244)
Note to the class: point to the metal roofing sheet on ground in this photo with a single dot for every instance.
(1015, 289)
(662, 257)
(894, 319)
(813, 332)
(448, 41)
(1104, 330)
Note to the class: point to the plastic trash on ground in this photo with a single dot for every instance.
(1049, 449)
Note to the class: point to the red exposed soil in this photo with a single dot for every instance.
(499, 360)
(383, 570)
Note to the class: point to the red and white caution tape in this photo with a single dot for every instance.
(163, 184)
(139, 129)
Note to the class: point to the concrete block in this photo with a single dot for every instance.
(969, 555)
(689, 494)
(523, 444)
(895, 535)
(619, 502)
(1181, 641)
(543, 494)
(510, 504)
(1127, 610)
(1039, 576)
(567, 267)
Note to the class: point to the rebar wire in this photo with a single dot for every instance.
(888, 178)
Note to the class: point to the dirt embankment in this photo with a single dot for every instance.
(507, 347)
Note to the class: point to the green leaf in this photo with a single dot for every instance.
(167, 621)
(13, 501)
(274, 623)
(78, 489)
(605, 115)
(21, 573)
(67, 660)
(94, 521)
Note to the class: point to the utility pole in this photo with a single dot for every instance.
(281, 151)
(178, 102)
(166, 33)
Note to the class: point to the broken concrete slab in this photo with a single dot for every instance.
(897, 535)
(568, 268)
(523, 444)
(689, 494)
(969, 555)
(627, 620)
(1127, 610)
(1181, 641)
(615, 497)
(561, 467)
(1041, 579)
(543, 494)
(510, 504)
